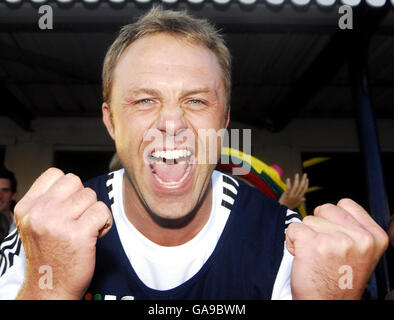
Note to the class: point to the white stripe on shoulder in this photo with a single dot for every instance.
(292, 216)
(9, 249)
(230, 180)
(111, 178)
(9, 238)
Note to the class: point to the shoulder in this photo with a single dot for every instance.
(252, 199)
(99, 182)
(103, 185)
(256, 227)
(255, 210)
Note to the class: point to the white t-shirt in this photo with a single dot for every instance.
(158, 267)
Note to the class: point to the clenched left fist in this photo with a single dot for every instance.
(59, 222)
(336, 238)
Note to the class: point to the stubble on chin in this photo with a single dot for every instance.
(168, 220)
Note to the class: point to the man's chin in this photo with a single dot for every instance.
(175, 216)
(169, 221)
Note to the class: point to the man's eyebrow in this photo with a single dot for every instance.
(137, 91)
(186, 93)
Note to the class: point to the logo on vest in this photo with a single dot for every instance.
(98, 296)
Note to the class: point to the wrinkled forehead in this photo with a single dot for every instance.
(169, 60)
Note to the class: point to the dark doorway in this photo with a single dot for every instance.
(85, 164)
(338, 175)
(341, 175)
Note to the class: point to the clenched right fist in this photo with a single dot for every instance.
(59, 222)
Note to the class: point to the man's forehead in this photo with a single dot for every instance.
(163, 53)
(165, 62)
(158, 43)
(159, 81)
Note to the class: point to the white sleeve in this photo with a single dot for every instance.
(12, 266)
(282, 285)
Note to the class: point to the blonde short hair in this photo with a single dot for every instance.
(177, 23)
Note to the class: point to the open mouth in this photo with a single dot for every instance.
(170, 167)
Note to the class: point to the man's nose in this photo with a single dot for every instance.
(172, 120)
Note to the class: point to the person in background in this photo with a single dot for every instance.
(7, 200)
(294, 194)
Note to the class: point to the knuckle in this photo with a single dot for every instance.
(74, 179)
(290, 228)
(104, 211)
(342, 241)
(345, 202)
(308, 220)
(323, 246)
(90, 194)
(294, 228)
(101, 207)
(382, 240)
(54, 170)
(322, 210)
(19, 209)
(366, 239)
(365, 243)
(40, 218)
(34, 223)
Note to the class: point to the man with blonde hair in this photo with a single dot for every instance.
(168, 226)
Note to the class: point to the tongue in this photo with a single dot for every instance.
(170, 172)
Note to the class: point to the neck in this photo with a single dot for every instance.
(164, 232)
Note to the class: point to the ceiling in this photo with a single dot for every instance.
(289, 61)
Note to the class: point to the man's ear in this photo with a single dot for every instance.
(107, 119)
(227, 121)
(14, 196)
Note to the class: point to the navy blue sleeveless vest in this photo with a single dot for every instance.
(243, 265)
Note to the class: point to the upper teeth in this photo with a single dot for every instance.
(171, 154)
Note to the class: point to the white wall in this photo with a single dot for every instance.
(29, 154)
